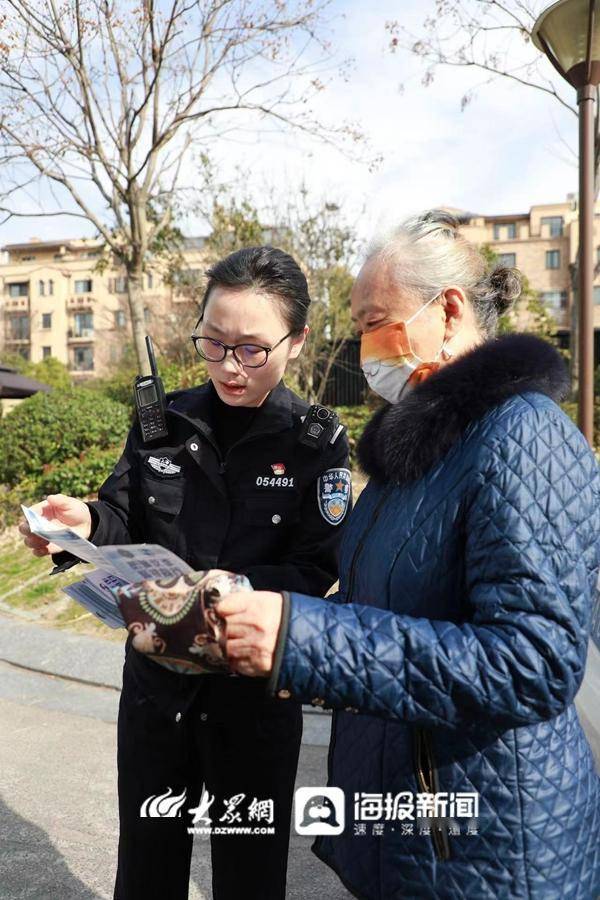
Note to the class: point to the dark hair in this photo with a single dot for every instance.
(268, 270)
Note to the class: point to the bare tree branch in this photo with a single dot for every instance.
(103, 103)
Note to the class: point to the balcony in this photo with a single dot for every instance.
(16, 304)
(80, 334)
(81, 301)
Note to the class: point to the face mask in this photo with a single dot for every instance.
(389, 362)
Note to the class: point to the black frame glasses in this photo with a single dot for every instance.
(198, 338)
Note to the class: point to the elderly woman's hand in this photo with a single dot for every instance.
(253, 619)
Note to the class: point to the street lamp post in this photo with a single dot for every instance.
(568, 32)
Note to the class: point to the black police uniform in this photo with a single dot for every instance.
(255, 510)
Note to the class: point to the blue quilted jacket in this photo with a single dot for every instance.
(457, 642)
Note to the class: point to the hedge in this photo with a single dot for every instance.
(48, 429)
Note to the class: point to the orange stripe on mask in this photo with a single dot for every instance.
(390, 342)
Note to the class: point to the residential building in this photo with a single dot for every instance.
(56, 302)
(542, 243)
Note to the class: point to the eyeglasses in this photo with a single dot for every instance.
(251, 356)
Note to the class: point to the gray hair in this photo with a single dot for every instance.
(428, 253)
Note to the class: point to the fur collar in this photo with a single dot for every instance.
(402, 441)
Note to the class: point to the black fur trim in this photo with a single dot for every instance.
(402, 441)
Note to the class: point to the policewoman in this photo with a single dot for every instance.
(252, 480)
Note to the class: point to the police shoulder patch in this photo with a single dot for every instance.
(334, 489)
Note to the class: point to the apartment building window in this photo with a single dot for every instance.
(83, 286)
(24, 352)
(41, 288)
(18, 289)
(50, 286)
(496, 232)
(120, 318)
(555, 224)
(186, 278)
(553, 259)
(118, 285)
(46, 352)
(27, 258)
(83, 359)
(556, 300)
(507, 259)
(18, 328)
(511, 231)
(147, 315)
(84, 324)
(46, 320)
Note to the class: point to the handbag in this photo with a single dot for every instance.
(175, 621)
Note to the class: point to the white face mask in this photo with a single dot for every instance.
(388, 360)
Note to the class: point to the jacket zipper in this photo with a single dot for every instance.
(357, 553)
(223, 460)
(361, 542)
(427, 780)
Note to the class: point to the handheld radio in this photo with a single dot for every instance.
(150, 402)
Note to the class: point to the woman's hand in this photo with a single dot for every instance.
(60, 510)
(253, 619)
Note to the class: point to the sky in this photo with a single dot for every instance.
(506, 152)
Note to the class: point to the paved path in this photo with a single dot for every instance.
(59, 695)
(58, 800)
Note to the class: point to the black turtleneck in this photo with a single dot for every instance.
(230, 422)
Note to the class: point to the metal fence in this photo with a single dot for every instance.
(346, 385)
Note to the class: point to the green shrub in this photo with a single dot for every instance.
(11, 498)
(119, 387)
(48, 429)
(49, 371)
(79, 477)
(76, 477)
(354, 418)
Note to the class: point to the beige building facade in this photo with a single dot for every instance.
(542, 243)
(55, 303)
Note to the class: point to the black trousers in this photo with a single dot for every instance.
(255, 754)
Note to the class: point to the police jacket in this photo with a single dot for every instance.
(261, 511)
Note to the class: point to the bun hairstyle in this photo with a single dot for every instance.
(428, 253)
(505, 284)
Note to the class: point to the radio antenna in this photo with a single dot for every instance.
(151, 356)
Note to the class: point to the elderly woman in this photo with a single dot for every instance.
(453, 651)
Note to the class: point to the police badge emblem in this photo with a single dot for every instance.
(163, 465)
(334, 489)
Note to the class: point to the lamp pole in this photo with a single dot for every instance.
(568, 33)
(585, 411)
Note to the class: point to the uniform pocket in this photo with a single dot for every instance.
(162, 495)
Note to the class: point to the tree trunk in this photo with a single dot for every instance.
(135, 283)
